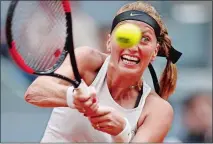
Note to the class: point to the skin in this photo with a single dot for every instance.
(154, 122)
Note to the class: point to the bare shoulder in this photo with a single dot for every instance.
(89, 61)
(89, 58)
(157, 107)
(160, 104)
(155, 120)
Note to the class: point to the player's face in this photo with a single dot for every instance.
(135, 59)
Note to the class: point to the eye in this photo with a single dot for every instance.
(145, 39)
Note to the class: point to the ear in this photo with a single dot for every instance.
(155, 53)
(108, 46)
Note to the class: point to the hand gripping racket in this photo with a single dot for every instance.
(39, 36)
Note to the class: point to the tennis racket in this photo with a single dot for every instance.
(39, 36)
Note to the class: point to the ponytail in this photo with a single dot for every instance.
(169, 76)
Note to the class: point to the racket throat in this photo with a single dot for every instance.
(75, 83)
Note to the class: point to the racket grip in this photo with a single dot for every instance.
(85, 90)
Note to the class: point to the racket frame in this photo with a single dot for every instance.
(68, 48)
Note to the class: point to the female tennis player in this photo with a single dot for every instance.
(126, 109)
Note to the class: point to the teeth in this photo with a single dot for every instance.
(130, 58)
(129, 62)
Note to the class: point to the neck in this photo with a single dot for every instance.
(122, 87)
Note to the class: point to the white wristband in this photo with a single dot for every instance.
(125, 135)
(69, 96)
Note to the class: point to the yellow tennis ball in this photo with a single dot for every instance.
(127, 35)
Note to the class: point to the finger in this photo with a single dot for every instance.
(102, 110)
(77, 103)
(97, 120)
(106, 130)
(80, 109)
(88, 103)
(94, 100)
(94, 107)
(80, 95)
(93, 94)
(89, 109)
(92, 110)
(103, 126)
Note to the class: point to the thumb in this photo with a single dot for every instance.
(103, 110)
(93, 94)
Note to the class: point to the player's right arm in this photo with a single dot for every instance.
(47, 91)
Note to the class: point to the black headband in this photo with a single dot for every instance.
(138, 16)
(174, 55)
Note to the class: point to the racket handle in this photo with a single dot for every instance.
(85, 90)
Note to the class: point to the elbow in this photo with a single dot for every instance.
(32, 97)
(28, 96)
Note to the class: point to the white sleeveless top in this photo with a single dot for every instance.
(68, 125)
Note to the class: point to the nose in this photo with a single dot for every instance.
(133, 49)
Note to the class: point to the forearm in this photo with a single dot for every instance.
(47, 93)
(146, 139)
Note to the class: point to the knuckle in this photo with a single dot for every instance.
(89, 102)
(84, 98)
(75, 96)
(109, 124)
(81, 98)
(86, 105)
(95, 108)
(109, 117)
(75, 103)
(80, 111)
(93, 120)
(94, 126)
(92, 94)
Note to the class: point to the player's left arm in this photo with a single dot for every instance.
(157, 122)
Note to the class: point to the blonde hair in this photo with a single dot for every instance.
(168, 78)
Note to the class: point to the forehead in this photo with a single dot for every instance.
(143, 26)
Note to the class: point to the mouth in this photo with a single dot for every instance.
(130, 60)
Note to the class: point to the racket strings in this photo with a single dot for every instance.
(56, 9)
(45, 57)
(23, 30)
(42, 33)
(56, 23)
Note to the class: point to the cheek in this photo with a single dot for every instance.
(147, 51)
(115, 50)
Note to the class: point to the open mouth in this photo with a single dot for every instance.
(130, 60)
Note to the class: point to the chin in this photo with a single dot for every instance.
(129, 71)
